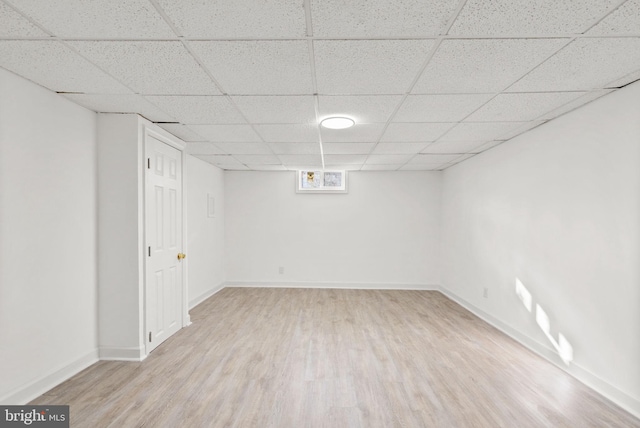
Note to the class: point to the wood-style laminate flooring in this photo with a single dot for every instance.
(334, 358)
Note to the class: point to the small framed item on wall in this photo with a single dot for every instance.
(319, 181)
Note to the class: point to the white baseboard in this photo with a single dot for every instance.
(620, 398)
(336, 285)
(122, 354)
(204, 296)
(25, 394)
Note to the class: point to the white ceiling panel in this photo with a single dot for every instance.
(399, 148)
(261, 167)
(236, 18)
(144, 66)
(300, 160)
(227, 133)
(345, 167)
(193, 109)
(477, 131)
(344, 159)
(529, 17)
(295, 148)
(483, 65)
(82, 19)
(359, 133)
(629, 78)
(388, 159)
(584, 99)
(376, 167)
(347, 148)
(181, 131)
(623, 21)
(361, 108)
(439, 108)
(351, 67)
(258, 159)
(220, 160)
(517, 107)
(12, 24)
(523, 127)
(423, 167)
(245, 148)
(584, 64)
(381, 18)
(415, 132)
(121, 103)
(56, 67)
(455, 147)
(288, 133)
(433, 158)
(277, 109)
(258, 67)
(200, 148)
(484, 147)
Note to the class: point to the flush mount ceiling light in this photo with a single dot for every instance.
(337, 122)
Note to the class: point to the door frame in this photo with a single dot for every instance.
(147, 131)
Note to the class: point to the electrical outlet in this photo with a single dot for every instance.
(485, 293)
(281, 270)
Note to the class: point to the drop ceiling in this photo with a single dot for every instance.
(430, 83)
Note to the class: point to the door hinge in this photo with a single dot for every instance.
(149, 337)
(149, 251)
(148, 163)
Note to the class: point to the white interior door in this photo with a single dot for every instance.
(163, 215)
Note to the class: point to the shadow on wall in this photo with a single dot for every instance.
(562, 346)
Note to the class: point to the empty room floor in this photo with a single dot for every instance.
(259, 357)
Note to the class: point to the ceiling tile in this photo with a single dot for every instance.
(283, 133)
(347, 148)
(236, 18)
(521, 106)
(368, 66)
(623, 81)
(56, 67)
(255, 167)
(399, 148)
(376, 167)
(295, 148)
(439, 108)
(258, 159)
(200, 148)
(344, 159)
(423, 167)
(387, 159)
(150, 68)
(359, 133)
(181, 131)
(220, 160)
(258, 67)
(301, 160)
(199, 109)
(415, 132)
(434, 158)
(277, 109)
(584, 99)
(484, 65)
(82, 19)
(477, 131)
(624, 20)
(583, 65)
(245, 148)
(523, 127)
(361, 108)
(227, 133)
(12, 24)
(528, 17)
(485, 147)
(455, 147)
(344, 167)
(120, 103)
(380, 18)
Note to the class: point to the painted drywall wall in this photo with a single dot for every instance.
(205, 229)
(48, 268)
(559, 209)
(384, 232)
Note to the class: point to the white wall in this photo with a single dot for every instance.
(384, 232)
(205, 240)
(558, 208)
(48, 285)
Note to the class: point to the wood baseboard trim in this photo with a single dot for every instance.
(607, 390)
(25, 394)
(204, 296)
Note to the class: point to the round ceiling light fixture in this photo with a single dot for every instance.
(337, 122)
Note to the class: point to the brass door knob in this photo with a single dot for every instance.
(181, 256)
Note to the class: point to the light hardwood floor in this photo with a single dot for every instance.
(334, 358)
